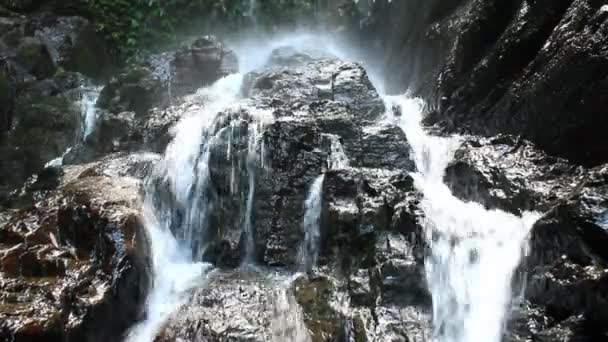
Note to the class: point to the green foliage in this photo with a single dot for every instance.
(131, 24)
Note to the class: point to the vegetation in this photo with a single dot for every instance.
(131, 24)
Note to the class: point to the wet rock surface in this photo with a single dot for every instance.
(509, 173)
(75, 264)
(306, 108)
(201, 63)
(535, 68)
(565, 286)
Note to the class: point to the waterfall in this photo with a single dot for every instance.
(309, 249)
(473, 251)
(251, 13)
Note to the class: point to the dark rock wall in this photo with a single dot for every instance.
(531, 68)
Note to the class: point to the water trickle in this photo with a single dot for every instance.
(288, 320)
(337, 157)
(473, 251)
(309, 249)
(88, 110)
(255, 158)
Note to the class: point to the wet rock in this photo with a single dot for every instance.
(566, 267)
(535, 68)
(43, 128)
(509, 174)
(74, 44)
(294, 162)
(75, 265)
(136, 90)
(200, 64)
(346, 83)
(238, 305)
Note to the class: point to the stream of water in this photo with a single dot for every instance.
(473, 251)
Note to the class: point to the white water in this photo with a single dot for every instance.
(309, 249)
(287, 324)
(88, 109)
(473, 251)
(175, 266)
(338, 159)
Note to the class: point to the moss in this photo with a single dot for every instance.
(35, 58)
(5, 91)
(6, 104)
(47, 112)
(12, 38)
(90, 54)
(314, 296)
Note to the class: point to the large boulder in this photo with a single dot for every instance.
(201, 63)
(75, 265)
(34, 56)
(509, 173)
(43, 127)
(135, 90)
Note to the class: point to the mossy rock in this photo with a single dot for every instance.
(35, 58)
(314, 296)
(135, 90)
(90, 54)
(6, 103)
(22, 5)
(44, 128)
(12, 38)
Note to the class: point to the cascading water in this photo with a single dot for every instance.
(184, 172)
(309, 249)
(473, 251)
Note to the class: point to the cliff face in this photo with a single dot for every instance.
(533, 68)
